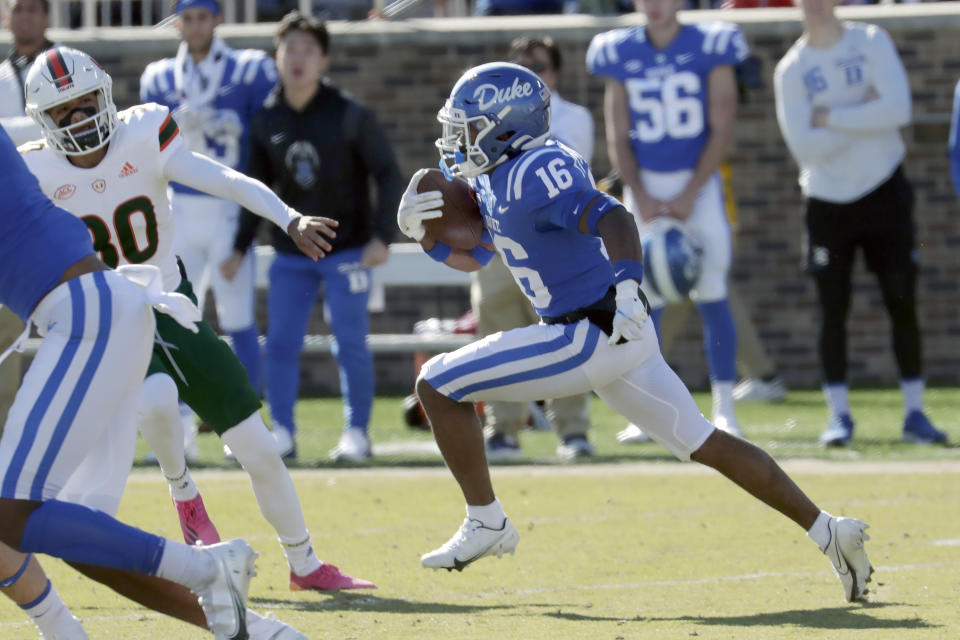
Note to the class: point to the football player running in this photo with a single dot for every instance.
(540, 207)
(70, 432)
(111, 170)
(669, 102)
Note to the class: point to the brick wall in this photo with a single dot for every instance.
(404, 70)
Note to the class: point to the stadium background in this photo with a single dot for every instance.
(403, 70)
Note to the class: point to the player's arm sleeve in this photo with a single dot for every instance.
(794, 114)
(733, 49)
(377, 154)
(954, 144)
(892, 108)
(21, 129)
(149, 84)
(208, 175)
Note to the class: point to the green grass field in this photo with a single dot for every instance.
(633, 546)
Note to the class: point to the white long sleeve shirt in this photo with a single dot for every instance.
(572, 125)
(20, 127)
(861, 145)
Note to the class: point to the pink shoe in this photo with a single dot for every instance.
(327, 578)
(195, 523)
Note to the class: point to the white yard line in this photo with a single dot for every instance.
(792, 466)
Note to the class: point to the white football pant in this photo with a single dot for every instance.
(71, 431)
(552, 361)
(205, 229)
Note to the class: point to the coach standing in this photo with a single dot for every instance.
(842, 96)
(318, 149)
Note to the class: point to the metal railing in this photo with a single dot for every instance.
(66, 14)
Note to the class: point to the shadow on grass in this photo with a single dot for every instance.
(341, 601)
(849, 617)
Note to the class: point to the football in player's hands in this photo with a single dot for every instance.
(461, 224)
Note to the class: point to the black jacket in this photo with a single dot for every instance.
(320, 161)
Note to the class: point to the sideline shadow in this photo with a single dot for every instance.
(339, 601)
(849, 617)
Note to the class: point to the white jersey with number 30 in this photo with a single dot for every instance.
(123, 200)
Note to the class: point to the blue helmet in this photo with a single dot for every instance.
(672, 261)
(494, 112)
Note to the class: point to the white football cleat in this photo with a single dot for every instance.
(633, 435)
(224, 599)
(759, 390)
(354, 446)
(849, 559)
(471, 542)
(269, 628)
(728, 424)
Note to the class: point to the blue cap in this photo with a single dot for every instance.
(212, 5)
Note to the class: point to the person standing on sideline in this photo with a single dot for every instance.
(669, 104)
(499, 301)
(212, 92)
(28, 21)
(842, 95)
(540, 207)
(318, 149)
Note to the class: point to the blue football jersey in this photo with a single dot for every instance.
(38, 240)
(532, 205)
(248, 78)
(667, 88)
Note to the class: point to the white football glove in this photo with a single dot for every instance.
(631, 313)
(416, 207)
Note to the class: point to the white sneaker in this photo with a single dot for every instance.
(269, 628)
(632, 435)
(354, 446)
(224, 600)
(538, 418)
(728, 424)
(574, 448)
(471, 542)
(758, 390)
(848, 556)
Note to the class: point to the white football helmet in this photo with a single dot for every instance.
(60, 75)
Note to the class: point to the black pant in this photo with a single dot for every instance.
(881, 223)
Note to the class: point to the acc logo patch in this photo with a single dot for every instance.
(99, 185)
(64, 192)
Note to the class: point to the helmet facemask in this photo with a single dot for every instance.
(79, 138)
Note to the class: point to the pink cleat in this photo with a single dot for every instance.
(327, 578)
(195, 523)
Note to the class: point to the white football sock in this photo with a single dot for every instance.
(187, 566)
(52, 617)
(160, 425)
(183, 488)
(722, 398)
(300, 556)
(491, 515)
(256, 450)
(912, 390)
(820, 532)
(838, 399)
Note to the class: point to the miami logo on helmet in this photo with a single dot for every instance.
(57, 67)
(489, 95)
